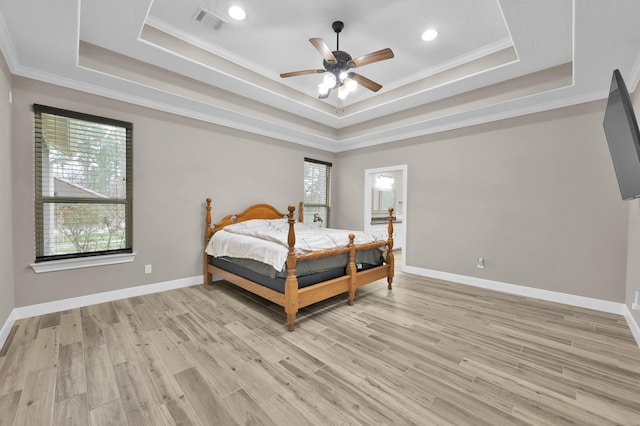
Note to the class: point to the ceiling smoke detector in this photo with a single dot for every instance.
(209, 18)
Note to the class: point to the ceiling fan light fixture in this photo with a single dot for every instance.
(350, 84)
(237, 13)
(337, 65)
(323, 89)
(429, 35)
(343, 92)
(329, 80)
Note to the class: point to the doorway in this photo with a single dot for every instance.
(386, 187)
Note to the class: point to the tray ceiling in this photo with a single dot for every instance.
(491, 60)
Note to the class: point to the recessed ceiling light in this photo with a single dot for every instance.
(429, 35)
(237, 13)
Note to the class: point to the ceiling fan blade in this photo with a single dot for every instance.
(370, 58)
(303, 72)
(364, 81)
(324, 50)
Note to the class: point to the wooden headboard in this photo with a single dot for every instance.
(257, 211)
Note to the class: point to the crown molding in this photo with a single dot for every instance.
(455, 62)
(6, 46)
(228, 118)
(217, 115)
(426, 127)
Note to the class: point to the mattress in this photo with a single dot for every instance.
(266, 241)
(257, 250)
(307, 272)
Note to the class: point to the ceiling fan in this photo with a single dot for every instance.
(337, 67)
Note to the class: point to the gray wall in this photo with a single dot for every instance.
(6, 220)
(536, 196)
(178, 162)
(633, 258)
(633, 248)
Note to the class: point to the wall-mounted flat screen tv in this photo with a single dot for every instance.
(621, 130)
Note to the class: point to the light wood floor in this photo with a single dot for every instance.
(426, 352)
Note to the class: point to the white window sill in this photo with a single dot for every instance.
(82, 262)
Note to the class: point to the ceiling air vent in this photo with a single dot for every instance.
(209, 18)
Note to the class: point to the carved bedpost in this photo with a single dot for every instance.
(291, 283)
(301, 211)
(351, 269)
(208, 232)
(390, 259)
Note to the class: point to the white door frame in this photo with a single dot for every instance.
(367, 202)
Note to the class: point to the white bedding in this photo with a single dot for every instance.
(265, 240)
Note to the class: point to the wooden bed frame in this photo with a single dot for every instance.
(293, 297)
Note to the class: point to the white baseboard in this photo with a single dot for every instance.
(6, 328)
(92, 299)
(633, 325)
(108, 296)
(536, 293)
(552, 296)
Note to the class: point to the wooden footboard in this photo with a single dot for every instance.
(294, 298)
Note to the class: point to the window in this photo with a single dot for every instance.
(83, 185)
(317, 192)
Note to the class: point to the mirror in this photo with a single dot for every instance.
(387, 200)
(382, 194)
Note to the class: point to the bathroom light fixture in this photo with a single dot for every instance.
(384, 182)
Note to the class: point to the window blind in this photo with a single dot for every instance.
(317, 192)
(83, 187)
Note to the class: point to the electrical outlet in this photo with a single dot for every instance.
(147, 269)
(480, 264)
(636, 302)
